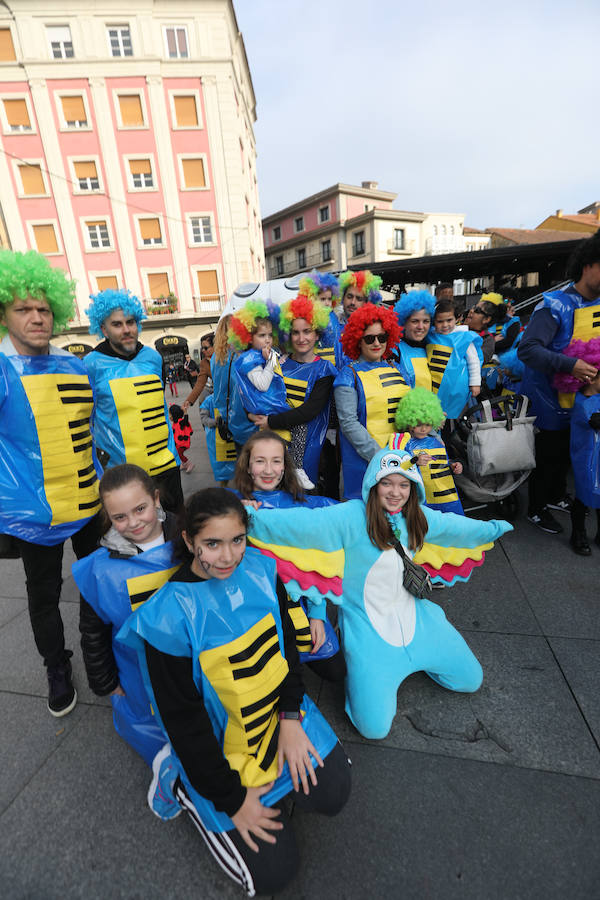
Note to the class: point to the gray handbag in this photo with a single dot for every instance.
(497, 446)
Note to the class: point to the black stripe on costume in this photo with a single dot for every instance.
(156, 470)
(77, 423)
(79, 435)
(89, 482)
(259, 665)
(440, 369)
(158, 415)
(149, 391)
(151, 380)
(158, 449)
(271, 750)
(257, 738)
(260, 704)
(442, 474)
(444, 493)
(87, 399)
(152, 427)
(82, 447)
(141, 596)
(91, 505)
(249, 651)
(87, 471)
(260, 720)
(78, 386)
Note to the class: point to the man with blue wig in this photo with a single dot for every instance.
(48, 468)
(131, 421)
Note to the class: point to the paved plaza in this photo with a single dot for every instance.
(491, 795)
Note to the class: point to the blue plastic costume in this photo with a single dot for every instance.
(413, 363)
(114, 587)
(222, 625)
(386, 632)
(45, 409)
(299, 380)
(585, 450)
(577, 319)
(221, 454)
(379, 387)
(254, 401)
(228, 402)
(131, 420)
(440, 490)
(329, 345)
(447, 363)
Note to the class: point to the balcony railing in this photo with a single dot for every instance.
(312, 261)
(209, 303)
(161, 306)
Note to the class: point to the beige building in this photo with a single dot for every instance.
(347, 225)
(127, 151)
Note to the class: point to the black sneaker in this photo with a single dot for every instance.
(62, 696)
(579, 544)
(562, 505)
(545, 521)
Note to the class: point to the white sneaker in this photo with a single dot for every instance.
(304, 480)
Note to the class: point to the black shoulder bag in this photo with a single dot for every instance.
(223, 423)
(415, 579)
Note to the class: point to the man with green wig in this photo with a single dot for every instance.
(48, 468)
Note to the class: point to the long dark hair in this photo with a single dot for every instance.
(378, 525)
(243, 480)
(202, 506)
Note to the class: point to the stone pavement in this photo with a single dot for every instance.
(493, 795)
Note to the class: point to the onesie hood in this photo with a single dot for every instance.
(391, 462)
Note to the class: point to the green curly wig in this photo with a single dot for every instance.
(419, 407)
(30, 274)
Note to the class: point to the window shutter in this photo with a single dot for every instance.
(106, 282)
(208, 284)
(16, 112)
(149, 229)
(140, 167)
(7, 48)
(186, 113)
(193, 173)
(45, 238)
(131, 110)
(158, 283)
(32, 179)
(85, 169)
(73, 109)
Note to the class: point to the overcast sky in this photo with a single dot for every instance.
(486, 109)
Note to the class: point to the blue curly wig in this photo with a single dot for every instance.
(412, 302)
(104, 303)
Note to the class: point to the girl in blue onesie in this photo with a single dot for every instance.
(386, 632)
(217, 648)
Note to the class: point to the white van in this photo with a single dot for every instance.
(279, 290)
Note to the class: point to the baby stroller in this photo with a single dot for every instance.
(494, 441)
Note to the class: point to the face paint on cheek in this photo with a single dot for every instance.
(203, 565)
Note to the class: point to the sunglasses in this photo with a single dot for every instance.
(478, 309)
(381, 338)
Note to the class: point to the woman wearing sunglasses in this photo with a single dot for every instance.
(478, 319)
(367, 390)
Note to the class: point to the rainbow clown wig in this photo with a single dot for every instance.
(413, 302)
(360, 320)
(419, 407)
(106, 301)
(364, 281)
(302, 307)
(315, 282)
(30, 274)
(589, 352)
(243, 322)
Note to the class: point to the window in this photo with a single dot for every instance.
(193, 173)
(73, 110)
(150, 232)
(141, 173)
(176, 42)
(61, 44)
(17, 115)
(398, 238)
(326, 250)
(86, 174)
(32, 180)
(299, 223)
(358, 243)
(324, 214)
(186, 111)
(277, 233)
(443, 229)
(131, 111)
(98, 236)
(45, 238)
(119, 38)
(435, 230)
(7, 48)
(158, 284)
(208, 283)
(452, 229)
(279, 265)
(301, 257)
(107, 282)
(201, 228)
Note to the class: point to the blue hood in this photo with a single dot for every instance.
(391, 462)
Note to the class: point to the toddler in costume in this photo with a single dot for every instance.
(419, 417)
(585, 441)
(258, 372)
(182, 432)
(462, 373)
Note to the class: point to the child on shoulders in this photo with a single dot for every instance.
(460, 374)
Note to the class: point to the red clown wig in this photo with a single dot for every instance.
(360, 320)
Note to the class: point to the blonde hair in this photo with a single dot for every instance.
(220, 340)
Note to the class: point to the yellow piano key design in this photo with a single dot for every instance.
(139, 401)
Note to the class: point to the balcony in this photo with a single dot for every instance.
(312, 261)
(209, 303)
(161, 306)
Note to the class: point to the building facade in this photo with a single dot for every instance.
(127, 150)
(347, 225)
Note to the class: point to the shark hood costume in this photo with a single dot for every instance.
(386, 632)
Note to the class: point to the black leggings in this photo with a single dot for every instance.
(578, 511)
(548, 481)
(274, 866)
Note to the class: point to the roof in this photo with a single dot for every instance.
(467, 230)
(339, 188)
(535, 236)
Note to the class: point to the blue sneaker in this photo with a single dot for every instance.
(161, 798)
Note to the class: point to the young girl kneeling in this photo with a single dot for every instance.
(218, 651)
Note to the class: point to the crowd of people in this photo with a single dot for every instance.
(336, 514)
